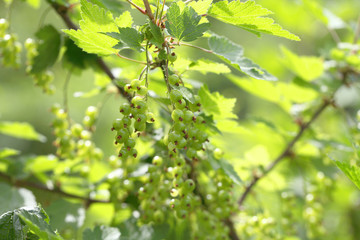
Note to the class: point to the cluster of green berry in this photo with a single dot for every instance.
(288, 218)
(75, 141)
(154, 194)
(258, 227)
(42, 79)
(207, 227)
(318, 194)
(133, 122)
(10, 48)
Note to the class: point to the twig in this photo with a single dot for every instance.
(148, 10)
(357, 31)
(193, 46)
(31, 185)
(288, 149)
(62, 12)
(130, 59)
(65, 92)
(137, 7)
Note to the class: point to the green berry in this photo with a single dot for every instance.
(135, 83)
(177, 115)
(172, 57)
(150, 117)
(174, 79)
(157, 161)
(175, 95)
(125, 109)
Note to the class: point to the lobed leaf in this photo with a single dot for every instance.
(232, 53)
(95, 21)
(249, 16)
(306, 67)
(21, 130)
(184, 25)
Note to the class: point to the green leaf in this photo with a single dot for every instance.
(38, 222)
(157, 37)
(101, 233)
(48, 49)
(186, 93)
(115, 6)
(33, 3)
(8, 152)
(11, 227)
(124, 20)
(306, 67)
(249, 16)
(95, 21)
(217, 105)
(184, 25)
(128, 36)
(21, 130)
(75, 57)
(207, 66)
(351, 171)
(40, 164)
(232, 53)
(201, 7)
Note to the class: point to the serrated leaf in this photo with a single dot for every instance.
(207, 66)
(306, 67)
(201, 7)
(48, 49)
(8, 152)
(115, 6)
(217, 105)
(76, 57)
(232, 53)
(249, 16)
(124, 20)
(101, 233)
(21, 130)
(184, 25)
(352, 172)
(11, 227)
(131, 38)
(38, 222)
(157, 37)
(95, 21)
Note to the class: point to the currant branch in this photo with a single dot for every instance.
(32, 185)
(62, 11)
(288, 149)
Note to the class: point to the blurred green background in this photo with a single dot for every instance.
(21, 101)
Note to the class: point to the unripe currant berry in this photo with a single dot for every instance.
(218, 153)
(85, 134)
(76, 129)
(128, 88)
(135, 84)
(181, 213)
(174, 136)
(150, 117)
(92, 112)
(139, 126)
(172, 57)
(177, 115)
(142, 90)
(157, 161)
(179, 127)
(179, 161)
(141, 118)
(129, 143)
(337, 54)
(174, 192)
(122, 135)
(117, 124)
(181, 104)
(175, 96)
(181, 143)
(159, 216)
(174, 203)
(177, 182)
(125, 122)
(191, 153)
(188, 116)
(125, 109)
(174, 79)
